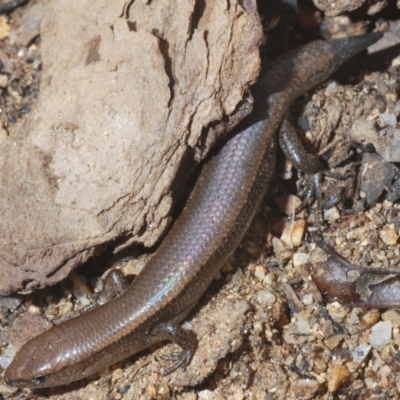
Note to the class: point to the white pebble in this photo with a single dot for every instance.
(360, 353)
(80, 288)
(292, 235)
(265, 297)
(260, 273)
(303, 325)
(300, 259)
(209, 395)
(34, 310)
(307, 299)
(386, 119)
(8, 356)
(381, 335)
(332, 214)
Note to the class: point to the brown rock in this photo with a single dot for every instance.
(304, 388)
(126, 92)
(339, 376)
(25, 327)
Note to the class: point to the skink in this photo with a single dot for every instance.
(215, 219)
(9, 6)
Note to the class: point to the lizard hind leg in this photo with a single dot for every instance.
(185, 338)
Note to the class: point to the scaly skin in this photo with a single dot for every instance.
(214, 221)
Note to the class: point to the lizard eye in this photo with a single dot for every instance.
(39, 380)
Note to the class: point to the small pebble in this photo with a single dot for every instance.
(305, 388)
(258, 326)
(332, 342)
(370, 318)
(360, 353)
(381, 335)
(391, 152)
(386, 119)
(64, 307)
(300, 259)
(307, 299)
(319, 366)
(117, 374)
(8, 356)
(209, 395)
(384, 373)
(260, 272)
(282, 253)
(187, 325)
(339, 376)
(152, 391)
(388, 235)
(336, 312)
(303, 325)
(4, 27)
(133, 267)
(292, 235)
(265, 297)
(332, 214)
(393, 316)
(3, 81)
(35, 310)
(269, 279)
(80, 288)
(376, 175)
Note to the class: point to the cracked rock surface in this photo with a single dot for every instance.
(126, 93)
